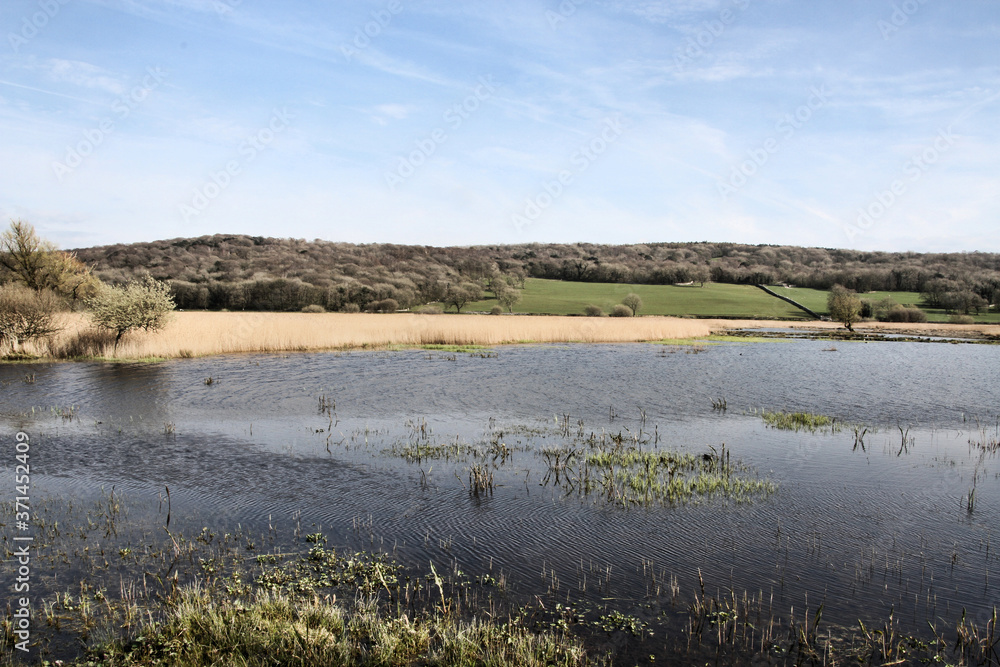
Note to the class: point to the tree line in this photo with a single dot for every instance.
(240, 272)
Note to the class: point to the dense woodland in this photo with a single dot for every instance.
(239, 272)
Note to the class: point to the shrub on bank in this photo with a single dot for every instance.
(26, 314)
(621, 310)
(383, 306)
(901, 314)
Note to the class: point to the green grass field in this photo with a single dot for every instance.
(816, 300)
(557, 297)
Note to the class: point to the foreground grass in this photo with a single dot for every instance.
(272, 628)
(318, 605)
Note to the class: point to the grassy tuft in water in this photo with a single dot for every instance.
(798, 421)
(624, 473)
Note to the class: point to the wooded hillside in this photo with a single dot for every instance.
(257, 273)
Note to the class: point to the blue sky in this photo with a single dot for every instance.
(837, 123)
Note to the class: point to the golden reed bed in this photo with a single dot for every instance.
(208, 333)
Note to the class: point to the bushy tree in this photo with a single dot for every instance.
(23, 253)
(138, 304)
(633, 302)
(962, 301)
(461, 295)
(508, 297)
(383, 306)
(844, 306)
(593, 311)
(26, 314)
(37, 264)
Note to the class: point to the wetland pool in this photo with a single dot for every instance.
(604, 477)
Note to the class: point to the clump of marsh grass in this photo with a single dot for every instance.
(626, 474)
(83, 343)
(798, 421)
(417, 452)
(480, 480)
(987, 443)
(270, 628)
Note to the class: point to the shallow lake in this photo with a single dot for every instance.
(332, 442)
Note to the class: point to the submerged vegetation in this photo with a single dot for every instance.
(143, 594)
(626, 474)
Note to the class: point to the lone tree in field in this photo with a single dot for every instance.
(138, 304)
(633, 302)
(508, 298)
(844, 306)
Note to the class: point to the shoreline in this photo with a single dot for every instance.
(191, 334)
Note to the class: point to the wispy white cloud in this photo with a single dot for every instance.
(687, 127)
(662, 11)
(384, 113)
(74, 72)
